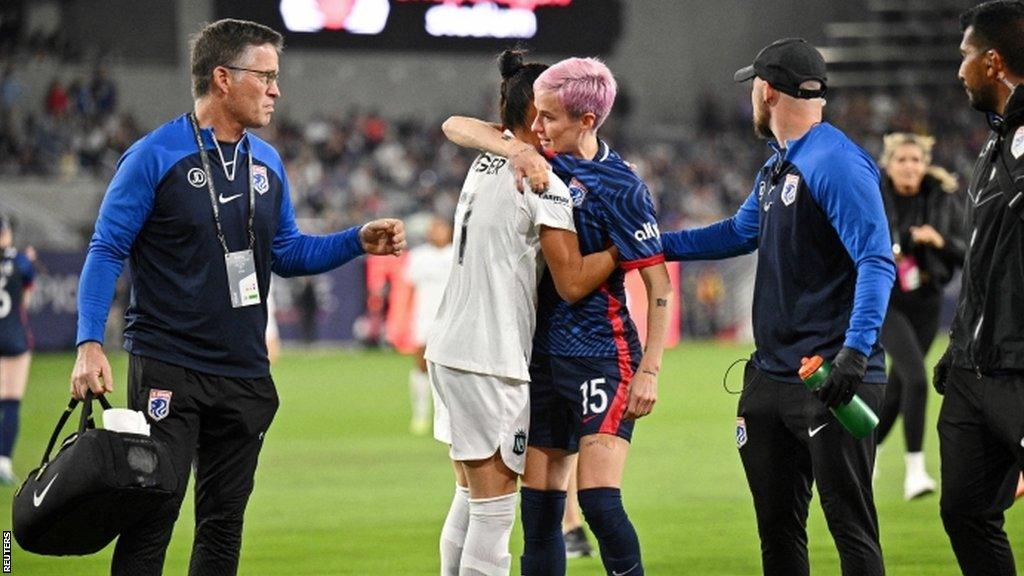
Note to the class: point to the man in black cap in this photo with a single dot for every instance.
(824, 274)
(981, 425)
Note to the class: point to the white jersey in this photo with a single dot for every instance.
(488, 313)
(429, 267)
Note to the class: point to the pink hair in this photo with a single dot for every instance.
(582, 84)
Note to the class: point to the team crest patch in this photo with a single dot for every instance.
(197, 177)
(741, 432)
(519, 442)
(159, 404)
(260, 182)
(1017, 147)
(789, 189)
(577, 191)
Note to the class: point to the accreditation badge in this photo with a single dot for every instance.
(245, 288)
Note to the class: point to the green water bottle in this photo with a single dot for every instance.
(855, 415)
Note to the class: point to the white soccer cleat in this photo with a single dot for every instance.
(917, 485)
(7, 476)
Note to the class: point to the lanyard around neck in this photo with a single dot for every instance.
(213, 192)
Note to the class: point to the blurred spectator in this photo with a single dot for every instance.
(81, 99)
(104, 93)
(11, 89)
(57, 99)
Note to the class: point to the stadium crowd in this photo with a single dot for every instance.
(359, 165)
(348, 167)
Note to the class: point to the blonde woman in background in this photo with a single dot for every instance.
(925, 215)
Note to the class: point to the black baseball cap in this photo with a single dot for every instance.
(785, 64)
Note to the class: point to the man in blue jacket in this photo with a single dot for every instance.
(824, 274)
(202, 210)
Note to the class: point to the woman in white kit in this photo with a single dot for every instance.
(478, 351)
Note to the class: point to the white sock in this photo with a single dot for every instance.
(419, 392)
(915, 464)
(5, 464)
(490, 526)
(453, 535)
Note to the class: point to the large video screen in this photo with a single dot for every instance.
(589, 27)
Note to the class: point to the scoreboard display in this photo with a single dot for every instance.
(589, 27)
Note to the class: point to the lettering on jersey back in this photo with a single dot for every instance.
(489, 164)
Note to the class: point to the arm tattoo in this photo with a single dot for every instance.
(661, 302)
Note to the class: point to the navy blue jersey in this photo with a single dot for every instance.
(16, 276)
(157, 212)
(824, 268)
(611, 205)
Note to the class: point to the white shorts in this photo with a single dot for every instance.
(480, 414)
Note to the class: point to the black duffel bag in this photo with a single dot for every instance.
(99, 483)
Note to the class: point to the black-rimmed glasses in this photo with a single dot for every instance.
(268, 76)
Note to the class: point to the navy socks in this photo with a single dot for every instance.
(544, 546)
(8, 425)
(620, 548)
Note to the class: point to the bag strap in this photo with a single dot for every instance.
(87, 422)
(56, 431)
(1013, 191)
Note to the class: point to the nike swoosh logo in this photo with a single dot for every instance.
(37, 499)
(812, 431)
(614, 573)
(224, 200)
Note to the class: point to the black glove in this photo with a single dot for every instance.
(847, 373)
(942, 372)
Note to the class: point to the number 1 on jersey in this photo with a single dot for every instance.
(591, 392)
(465, 229)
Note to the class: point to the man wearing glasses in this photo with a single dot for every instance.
(201, 208)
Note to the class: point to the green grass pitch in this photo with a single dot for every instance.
(342, 487)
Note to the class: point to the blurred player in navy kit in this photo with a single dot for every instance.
(201, 208)
(16, 276)
(824, 273)
(981, 427)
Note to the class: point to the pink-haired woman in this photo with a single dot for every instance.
(590, 377)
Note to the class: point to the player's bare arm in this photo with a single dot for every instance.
(575, 275)
(527, 162)
(643, 390)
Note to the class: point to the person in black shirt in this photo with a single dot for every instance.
(925, 220)
(981, 425)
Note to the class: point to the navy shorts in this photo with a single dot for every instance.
(572, 397)
(14, 340)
